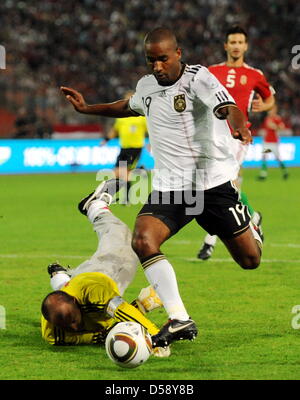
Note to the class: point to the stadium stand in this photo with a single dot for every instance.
(96, 47)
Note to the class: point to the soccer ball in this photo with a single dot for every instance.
(128, 344)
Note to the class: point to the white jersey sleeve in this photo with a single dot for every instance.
(209, 90)
(136, 103)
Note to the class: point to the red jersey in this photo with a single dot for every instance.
(242, 83)
(271, 125)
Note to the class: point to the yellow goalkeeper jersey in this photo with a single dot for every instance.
(131, 131)
(93, 291)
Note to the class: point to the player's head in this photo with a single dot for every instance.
(163, 55)
(62, 310)
(236, 42)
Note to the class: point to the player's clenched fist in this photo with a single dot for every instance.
(243, 134)
(75, 98)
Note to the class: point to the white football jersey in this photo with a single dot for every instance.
(190, 141)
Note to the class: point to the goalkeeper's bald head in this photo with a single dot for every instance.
(62, 310)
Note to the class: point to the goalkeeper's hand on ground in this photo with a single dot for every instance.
(161, 351)
(148, 299)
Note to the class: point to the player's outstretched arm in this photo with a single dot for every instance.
(117, 109)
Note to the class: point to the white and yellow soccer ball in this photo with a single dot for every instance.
(128, 344)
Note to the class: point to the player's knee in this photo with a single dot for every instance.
(142, 245)
(250, 262)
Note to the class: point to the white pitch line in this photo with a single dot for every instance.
(285, 245)
(231, 260)
(184, 241)
(180, 242)
(290, 245)
(85, 257)
(42, 256)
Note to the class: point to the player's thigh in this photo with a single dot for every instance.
(224, 214)
(244, 249)
(121, 173)
(160, 217)
(128, 158)
(123, 159)
(275, 150)
(135, 155)
(149, 234)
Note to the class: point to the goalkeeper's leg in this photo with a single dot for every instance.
(114, 255)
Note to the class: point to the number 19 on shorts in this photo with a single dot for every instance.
(239, 213)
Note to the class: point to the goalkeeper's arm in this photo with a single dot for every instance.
(60, 337)
(121, 311)
(147, 300)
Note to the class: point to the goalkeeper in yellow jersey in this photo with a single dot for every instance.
(87, 301)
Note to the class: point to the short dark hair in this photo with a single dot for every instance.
(159, 34)
(60, 296)
(236, 29)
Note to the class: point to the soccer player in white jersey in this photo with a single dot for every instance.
(186, 109)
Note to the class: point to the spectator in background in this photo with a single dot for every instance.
(43, 128)
(24, 125)
(28, 125)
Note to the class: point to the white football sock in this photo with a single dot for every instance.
(210, 239)
(255, 218)
(59, 280)
(95, 208)
(162, 277)
(255, 233)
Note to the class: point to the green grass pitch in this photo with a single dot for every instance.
(244, 317)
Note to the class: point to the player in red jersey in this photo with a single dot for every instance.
(251, 92)
(271, 125)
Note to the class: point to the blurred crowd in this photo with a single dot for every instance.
(96, 46)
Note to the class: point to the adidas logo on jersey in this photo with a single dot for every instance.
(162, 94)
